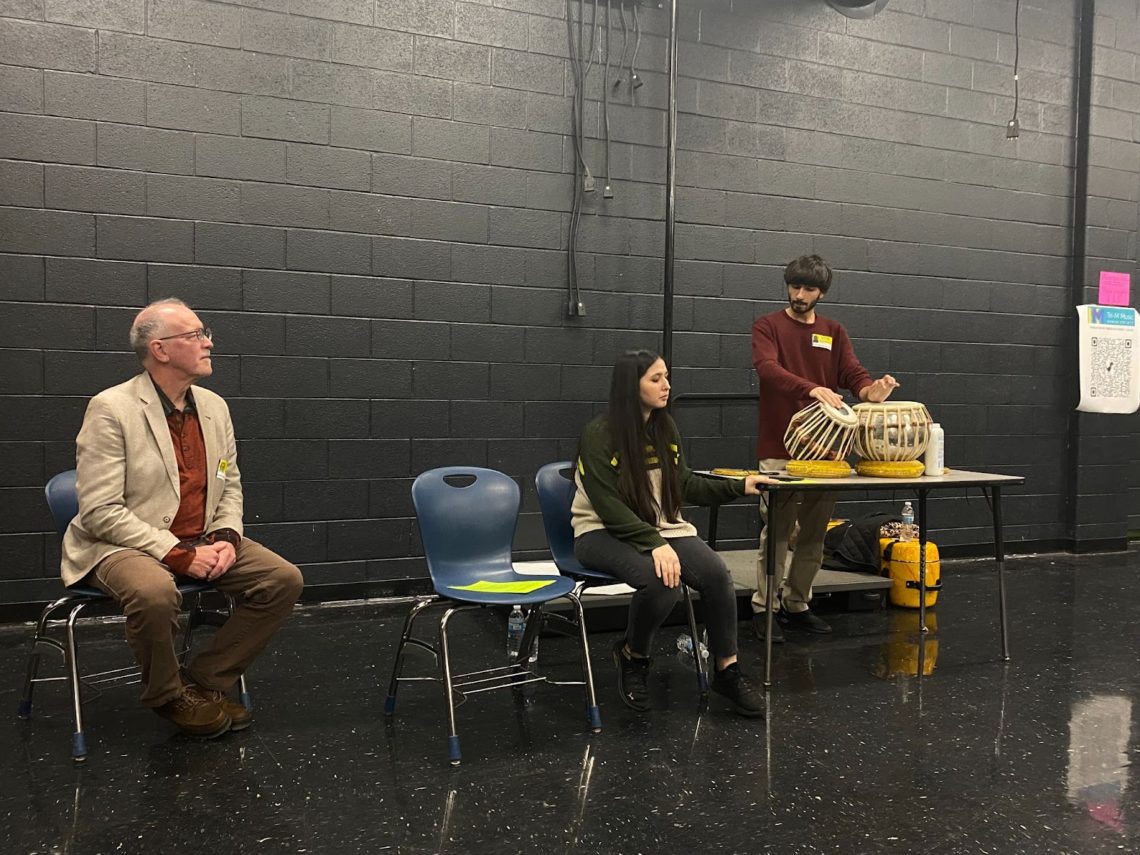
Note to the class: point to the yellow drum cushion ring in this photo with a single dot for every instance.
(819, 468)
(889, 468)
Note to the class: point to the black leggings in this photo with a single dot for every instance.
(701, 568)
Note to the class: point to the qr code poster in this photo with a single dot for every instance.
(1109, 361)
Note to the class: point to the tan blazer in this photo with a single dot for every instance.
(127, 476)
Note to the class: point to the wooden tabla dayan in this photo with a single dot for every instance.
(821, 432)
(892, 430)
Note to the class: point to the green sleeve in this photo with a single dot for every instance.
(597, 467)
(699, 490)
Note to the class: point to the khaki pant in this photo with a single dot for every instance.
(794, 578)
(264, 585)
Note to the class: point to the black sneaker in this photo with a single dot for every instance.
(760, 627)
(632, 674)
(745, 697)
(805, 621)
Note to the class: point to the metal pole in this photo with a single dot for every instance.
(1079, 257)
(670, 191)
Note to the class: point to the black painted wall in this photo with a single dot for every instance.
(368, 201)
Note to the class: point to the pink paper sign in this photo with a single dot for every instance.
(1114, 288)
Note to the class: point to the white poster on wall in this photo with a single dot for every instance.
(1109, 362)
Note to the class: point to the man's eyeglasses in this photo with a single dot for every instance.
(196, 335)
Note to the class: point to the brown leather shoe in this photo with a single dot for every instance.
(240, 717)
(194, 715)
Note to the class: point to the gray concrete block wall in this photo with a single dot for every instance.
(369, 203)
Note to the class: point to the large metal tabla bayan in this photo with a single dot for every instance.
(818, 439)
(892, 430)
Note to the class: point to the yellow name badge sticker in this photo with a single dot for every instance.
(223, 465)
(823, 341)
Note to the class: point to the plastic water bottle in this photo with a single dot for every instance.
(907, 522)
(685, 645)
(516, 627)
(934, 461)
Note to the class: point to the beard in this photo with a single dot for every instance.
(802, 307)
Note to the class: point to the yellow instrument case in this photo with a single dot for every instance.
(900, 563)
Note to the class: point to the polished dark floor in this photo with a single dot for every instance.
(858, 755)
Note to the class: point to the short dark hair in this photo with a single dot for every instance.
(810, 271)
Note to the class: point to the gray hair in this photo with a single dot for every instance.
(147, 324)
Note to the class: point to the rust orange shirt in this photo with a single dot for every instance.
(190, 451)
(189, 524)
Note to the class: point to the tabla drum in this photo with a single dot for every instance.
(821, 432)
(892, 430)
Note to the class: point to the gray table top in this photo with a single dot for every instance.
(952, 478)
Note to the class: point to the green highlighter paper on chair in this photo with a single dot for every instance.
(484, 586)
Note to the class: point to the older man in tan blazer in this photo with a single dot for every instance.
(160, 499)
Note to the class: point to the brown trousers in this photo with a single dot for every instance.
(811, 511)
(264, 586)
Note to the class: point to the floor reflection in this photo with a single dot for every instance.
(1100, 730)
(908, 651)
(859, 754)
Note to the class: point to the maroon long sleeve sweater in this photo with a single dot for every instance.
(791, 359)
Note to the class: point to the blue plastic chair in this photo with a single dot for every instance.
(467, 518)
(63, 502)
(556, 488)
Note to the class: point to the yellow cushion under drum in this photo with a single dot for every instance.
(890, 468)
(819, 468)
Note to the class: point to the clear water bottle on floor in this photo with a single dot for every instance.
(907, 515)
(685, 645)
(516, 627)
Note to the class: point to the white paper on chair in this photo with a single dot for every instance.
(535, 568)
(1109, 362)
(549, 568)
(609, 590)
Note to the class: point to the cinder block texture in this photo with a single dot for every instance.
(370, 201)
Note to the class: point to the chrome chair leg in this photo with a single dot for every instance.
(244, 697)
(25, 709)
(702, 678)
(453, 753)
(71, 652)
(193, 619)
(593, 714)
(398, 665)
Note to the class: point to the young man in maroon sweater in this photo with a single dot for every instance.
(800, 357)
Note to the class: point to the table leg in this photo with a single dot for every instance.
(999, 556)
(769, 593)
(922, 533)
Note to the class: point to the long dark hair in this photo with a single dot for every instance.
(630, 434)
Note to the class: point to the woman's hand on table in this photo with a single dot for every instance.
(667, 565)
(750, 482)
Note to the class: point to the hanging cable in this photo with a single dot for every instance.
(583, 179)
(574, 49)
(624, 44)
(635, 81)
(607, 189)
(1012, 128)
